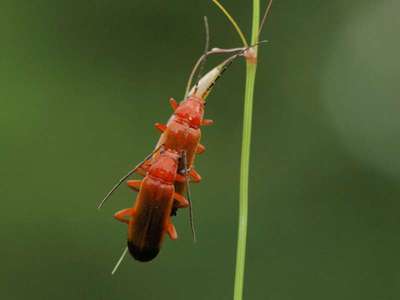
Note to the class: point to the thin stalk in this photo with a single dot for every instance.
(233, 22)
(245, 160)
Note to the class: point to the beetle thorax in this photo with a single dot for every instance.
(191, 111)
(165, 166)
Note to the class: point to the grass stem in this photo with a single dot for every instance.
(245, 161)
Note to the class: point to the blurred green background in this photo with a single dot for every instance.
(82, 83)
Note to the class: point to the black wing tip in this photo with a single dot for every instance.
(142, 254)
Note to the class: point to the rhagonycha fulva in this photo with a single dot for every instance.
(167, 172)
(150, 217)
(169, 168)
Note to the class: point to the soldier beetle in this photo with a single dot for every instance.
(167, 172)
(150, 217)
(169, 168)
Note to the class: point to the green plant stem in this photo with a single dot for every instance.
(245, 161)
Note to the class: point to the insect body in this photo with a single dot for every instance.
(167, 171)
(182, 132)
(168, 168)
(149, 219)
(161, 190)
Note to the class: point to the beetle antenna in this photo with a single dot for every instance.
(205, 84)
(265, 17)
(188, 195)
(119, 261)
(118, 184)
(206, 46)
(222, 67)
(202, 60)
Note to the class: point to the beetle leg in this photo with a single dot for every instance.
(200, 149)
(172, 231)
(173, 103)
(161, 127)
(185, 164)
(180, 178)
(122, 214)
(134, 184)
(207, 122)
(142, 170)
(194, 175)
(182, 201)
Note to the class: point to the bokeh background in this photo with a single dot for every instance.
(82, 83)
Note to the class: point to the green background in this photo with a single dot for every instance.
(81, 84)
